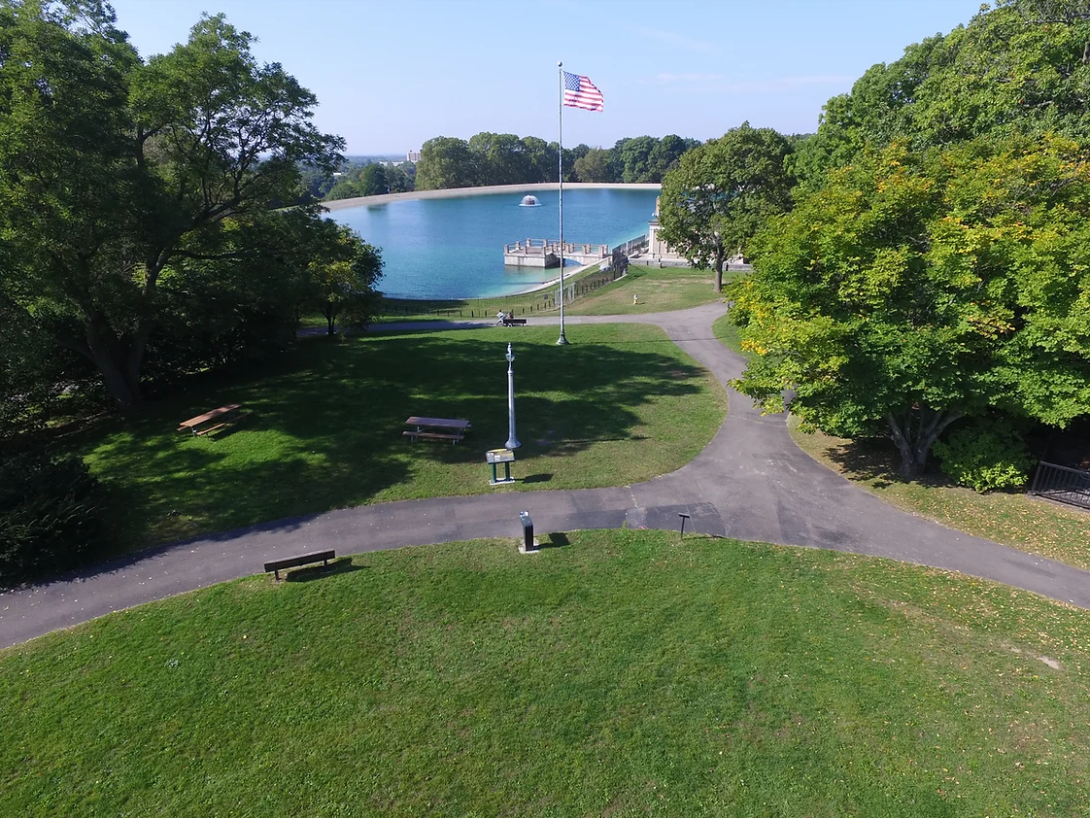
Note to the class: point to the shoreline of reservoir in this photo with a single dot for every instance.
(354, 212)
(458, 192)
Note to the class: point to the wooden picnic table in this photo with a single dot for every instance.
(198, 425)
(450, 429)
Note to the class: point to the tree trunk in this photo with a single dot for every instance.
(914, 431)
(123, 388)
(719, 272)
(118, 359)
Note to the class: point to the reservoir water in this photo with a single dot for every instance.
(453, 248)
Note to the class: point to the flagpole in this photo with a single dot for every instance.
(562, 340)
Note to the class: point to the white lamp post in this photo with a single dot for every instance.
(512, 441)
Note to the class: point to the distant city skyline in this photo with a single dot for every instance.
(389, 76)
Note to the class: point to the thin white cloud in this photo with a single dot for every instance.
(673, 38)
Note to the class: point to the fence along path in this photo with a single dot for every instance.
(1063, 484)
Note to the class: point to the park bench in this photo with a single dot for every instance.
(218, 418)
(514, 322)
(276, 566)
(436, 429)
(453, 438)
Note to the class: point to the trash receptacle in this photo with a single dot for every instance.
(527, 531)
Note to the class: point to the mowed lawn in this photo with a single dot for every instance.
(658, 290)
(622, 673)
(620, 404)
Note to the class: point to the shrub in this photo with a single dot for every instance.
(985, 457)
(49, 520)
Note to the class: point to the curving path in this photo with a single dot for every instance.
(751, 483)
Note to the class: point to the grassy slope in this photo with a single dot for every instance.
(527, 303)
(621, 404)
(1012, 518)
(659, 290)
(624, 674)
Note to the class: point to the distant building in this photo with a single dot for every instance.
(659, 253)
(412, 156)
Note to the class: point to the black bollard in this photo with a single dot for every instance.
(527, 531)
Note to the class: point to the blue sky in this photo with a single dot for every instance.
(389, 75)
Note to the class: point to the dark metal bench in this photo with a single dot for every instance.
(277, 566)
(514, 322)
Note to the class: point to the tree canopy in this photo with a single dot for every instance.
(913, 289)
(722, 192)
(1023, 67)
(505, 159)
(116, 174)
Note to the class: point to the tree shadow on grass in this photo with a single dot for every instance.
(876, 461)
(326, 429)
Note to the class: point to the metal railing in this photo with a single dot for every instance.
(631, 246)
(1063, 484)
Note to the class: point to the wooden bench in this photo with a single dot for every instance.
(434, 436)
(452, 429)
(226, 415)
(514, 322)
(276, 566)
(229, 422)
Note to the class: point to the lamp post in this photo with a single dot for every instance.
(512, 441)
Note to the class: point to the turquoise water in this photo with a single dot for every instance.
(453, 248)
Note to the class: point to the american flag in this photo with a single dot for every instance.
(579, 92)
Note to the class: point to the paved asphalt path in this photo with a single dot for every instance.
(750, 483)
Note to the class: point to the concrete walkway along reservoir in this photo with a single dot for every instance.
(750, 483)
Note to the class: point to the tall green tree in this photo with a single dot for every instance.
(373, 180)
(633, 158)
(401, 178)
(1022, 67)
(343, 275)
(666, 154)
(445, 162)
(722, 192)
(111, 169)
(541, 160)
(912, 290)
(594, 166)
(501, 159)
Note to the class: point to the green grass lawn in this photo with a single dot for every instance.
(728, 334)
(621, 404)
(659, 290)
(623, 674)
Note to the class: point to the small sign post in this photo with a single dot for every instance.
(505, 456)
